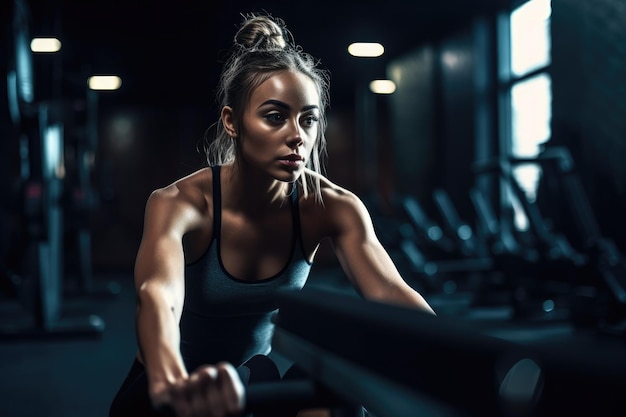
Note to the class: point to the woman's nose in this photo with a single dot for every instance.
(295, 136)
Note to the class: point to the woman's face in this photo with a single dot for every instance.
(281, 125)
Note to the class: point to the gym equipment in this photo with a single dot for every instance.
(593, 261)
(429, 234)
(536, 273)
(499, 241)
(40, 132)
(463, 267)
(80, 196)
(302, 393)
(429, 251)
(298, 393)
(551, 246)
(398, 361)
(463, 232)
(460, 249)
(465, 249)
(605, 262)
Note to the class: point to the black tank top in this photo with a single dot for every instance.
(229, 319)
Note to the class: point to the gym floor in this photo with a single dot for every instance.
(77, 375)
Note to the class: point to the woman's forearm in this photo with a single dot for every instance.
(158, 336)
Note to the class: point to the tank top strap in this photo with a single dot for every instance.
(295, 210)
(217, 201)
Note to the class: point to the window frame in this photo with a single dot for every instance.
(507, 80)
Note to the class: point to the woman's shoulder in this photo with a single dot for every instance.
(330, 189)
(333, 195)
(193, 190)
(338, 211)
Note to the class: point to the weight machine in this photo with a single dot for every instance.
(39, 129)
(593, 267)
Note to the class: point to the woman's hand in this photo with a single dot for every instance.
(210, 391)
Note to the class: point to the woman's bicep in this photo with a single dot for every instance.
(364, 259)
(359, 251)
(367, 263)
(159, 266)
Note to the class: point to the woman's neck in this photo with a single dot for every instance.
(246, 189)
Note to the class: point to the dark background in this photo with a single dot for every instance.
(168, 57)
(424, 137)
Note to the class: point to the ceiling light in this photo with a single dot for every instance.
(45, 45)
(382, 86)
(366, 49)
(104, 82)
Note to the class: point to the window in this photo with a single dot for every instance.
(530, 37)
(526, 88)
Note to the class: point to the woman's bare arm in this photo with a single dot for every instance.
(363, 258)
(159, 281)
(211, 389)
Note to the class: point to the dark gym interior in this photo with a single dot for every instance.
(496, 183)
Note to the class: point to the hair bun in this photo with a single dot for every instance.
(263, 32)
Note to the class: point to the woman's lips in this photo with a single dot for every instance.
(291, 161)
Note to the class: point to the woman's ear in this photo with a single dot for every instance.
(228, 121)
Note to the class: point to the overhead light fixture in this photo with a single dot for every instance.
(45, 45)
(104, 82)
(382, 86)
(366, 49)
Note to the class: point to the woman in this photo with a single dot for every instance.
(218, 243)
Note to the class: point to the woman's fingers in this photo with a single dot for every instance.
(206, 395)
(181, 398)
(210, 391)
(231, 388)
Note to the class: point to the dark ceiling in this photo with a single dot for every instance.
(167, 52)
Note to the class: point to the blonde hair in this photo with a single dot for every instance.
(263, 46)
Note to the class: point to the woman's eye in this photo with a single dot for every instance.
(310, 120)
(275, 117)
